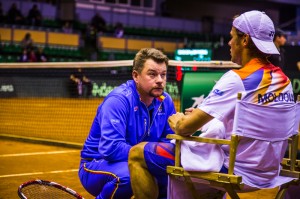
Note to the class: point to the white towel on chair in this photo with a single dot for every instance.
(204, 157)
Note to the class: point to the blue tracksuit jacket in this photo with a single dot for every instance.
(122, 121)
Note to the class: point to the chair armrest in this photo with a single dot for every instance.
(288, 173)
(233, 146)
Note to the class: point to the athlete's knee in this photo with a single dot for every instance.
(136, 154)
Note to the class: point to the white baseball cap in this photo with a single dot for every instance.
(260, 28)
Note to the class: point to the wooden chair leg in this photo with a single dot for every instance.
(192, 188)
(281, 192)
(231, 192)
(283, 188)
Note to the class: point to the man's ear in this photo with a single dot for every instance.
(246, 39)
(134, 75)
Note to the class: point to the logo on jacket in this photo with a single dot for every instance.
(160, 110)
(136, 108)
(127, 92)
(114, 121)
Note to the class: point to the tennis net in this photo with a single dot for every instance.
(38, 100)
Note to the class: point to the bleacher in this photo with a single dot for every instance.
(59, 46)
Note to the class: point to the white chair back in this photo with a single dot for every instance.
(268, 123)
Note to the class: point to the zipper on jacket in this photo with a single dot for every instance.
(147, 131)
(153, 117)
(145, 126)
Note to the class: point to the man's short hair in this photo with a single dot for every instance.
(148, 53)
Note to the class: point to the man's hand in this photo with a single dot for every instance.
(173, 119)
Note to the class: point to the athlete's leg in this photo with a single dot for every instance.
(106, 180)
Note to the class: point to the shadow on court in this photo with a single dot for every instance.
(23, 161)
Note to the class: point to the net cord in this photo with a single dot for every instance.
(105, 64)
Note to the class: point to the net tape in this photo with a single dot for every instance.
(102, 64)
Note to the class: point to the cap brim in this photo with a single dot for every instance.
(267, 47)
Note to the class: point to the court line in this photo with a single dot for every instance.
(38, 153)
(37, 173)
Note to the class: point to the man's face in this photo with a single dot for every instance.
(152, 80)
(235, 47)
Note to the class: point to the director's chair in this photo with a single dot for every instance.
(244, 121)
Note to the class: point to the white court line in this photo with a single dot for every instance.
(37, 173)
(38, 153)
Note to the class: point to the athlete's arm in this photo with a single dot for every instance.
(186, 125)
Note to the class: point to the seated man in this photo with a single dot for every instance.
(250, 46)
